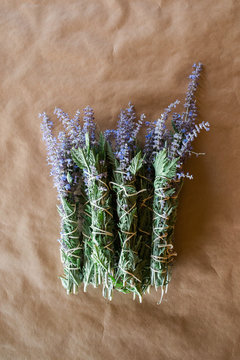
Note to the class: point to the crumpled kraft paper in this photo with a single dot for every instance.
(105, 53)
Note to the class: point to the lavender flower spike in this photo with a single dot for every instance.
(66, 180)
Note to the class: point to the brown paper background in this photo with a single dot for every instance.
(105, 53)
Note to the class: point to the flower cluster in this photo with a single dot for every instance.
(118, 199)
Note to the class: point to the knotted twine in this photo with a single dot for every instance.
(166, 192)
(71, 249)
(101, 235)
(127, 194)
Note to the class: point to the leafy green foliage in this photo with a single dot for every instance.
(163, 166)
(127, 271)
(130, 248)
(69, 178)
(136, 163)
(145, 216)
(118, 207)
(166, 189)
(127, 222)
(71, 246)
(79, 157)
(99, 245)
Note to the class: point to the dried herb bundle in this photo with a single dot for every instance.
(67, 181)
(124, 185)
(118, 201)
(100, 241)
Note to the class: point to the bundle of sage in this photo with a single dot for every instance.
(118, 199)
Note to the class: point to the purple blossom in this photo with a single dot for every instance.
(123, 139)
(182, 175)
(124, 157)
(123, 131)
(127, 128)
(175, 143)
(89, 125)
(157, 134)
(186, 122)
(185, 145)
(59, 153)
(72, 127)
(53, 155)
(110, 135)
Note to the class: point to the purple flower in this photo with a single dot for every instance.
(67, 187)
(188, 118)
(58, 150)
(72, 127)
(157, 134)
(89, 125)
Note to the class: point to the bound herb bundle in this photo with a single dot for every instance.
(126, 163)
(67, 181)
(92, 160)
(118, 200)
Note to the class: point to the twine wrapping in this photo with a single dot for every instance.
(71, 246)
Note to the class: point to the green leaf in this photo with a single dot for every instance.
(87, 141)
(113, 161)
(92, 159)
(68, 209)
(79, 158)
(164, 166)
(74, 278)
(64, 282)
(59, 210)
(136, 163)
(102, 144)
(69, 178)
